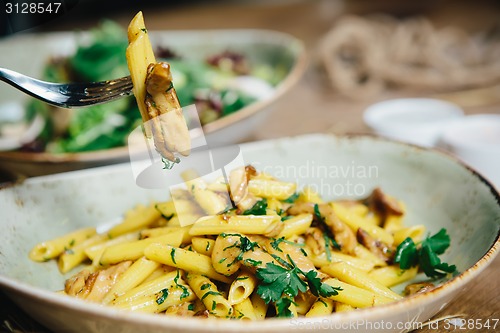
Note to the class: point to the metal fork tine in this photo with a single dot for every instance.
(70, 94)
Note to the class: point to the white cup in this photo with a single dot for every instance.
(476, 141)
(415, 120)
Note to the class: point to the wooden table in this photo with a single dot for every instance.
(312, 106)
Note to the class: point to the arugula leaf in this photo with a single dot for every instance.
(426, 255)
(259, 208)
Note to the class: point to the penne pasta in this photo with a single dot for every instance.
(53, 248)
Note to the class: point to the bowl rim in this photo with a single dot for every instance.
(298, 68)
(366, 314)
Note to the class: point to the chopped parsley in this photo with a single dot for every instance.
(426, 255)
(276, 244)
(327, 233)
(281, 284)
(191, 307)
(185, 291)
(291, 199)
(253, 262)
(172, 255)
(241, 278)
(210, 292)
(244, 244)
(205, 286)
(259, 208)
(162, 296)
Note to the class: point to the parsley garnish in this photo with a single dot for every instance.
(172, 255)
(215, 293)
(244, 244)
(327, 233)
(276, 244)
(259, 208)
(409, 254)
(185, 291)
(281, 284)
(291, 199)
(191, 307)
(205, 286)
(163, 294)
(253, 262)
(241, 278)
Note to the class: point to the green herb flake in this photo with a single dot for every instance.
(259, 208)
(185, 292)
(205, 286)
(162, 296)
(208, 293)
(214, 305)
(191, 307)
(242, 278)
(172, 255)
(144, 30)
(291, 199)
(253, 262)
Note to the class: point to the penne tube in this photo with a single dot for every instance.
(271, 188)
(358, 278)
(151, 287)
(336, 256)
(390, 276)
(76, 255)
(136, 219)
(53, 248)
(342, 307)
(362, 252)
(309, 195)
(303, 302)
(259, 306)
(296, 225)
(241, 288)
(203, 245)
(416, 233)
(322, 307)
(160, 231)
(245, 224)
(158, 302)
(132, 277)
(94, 252)
(355, 222)
(186, 260)
(208, 293)
(134, 250)
(244, 310)
(355, 296)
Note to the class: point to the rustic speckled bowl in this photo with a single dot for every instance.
(439, 192)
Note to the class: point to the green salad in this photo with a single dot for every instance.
(102, 57)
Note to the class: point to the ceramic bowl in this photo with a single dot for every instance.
(439, 192)
(261, 47)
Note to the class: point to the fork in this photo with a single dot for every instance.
(69, 95)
